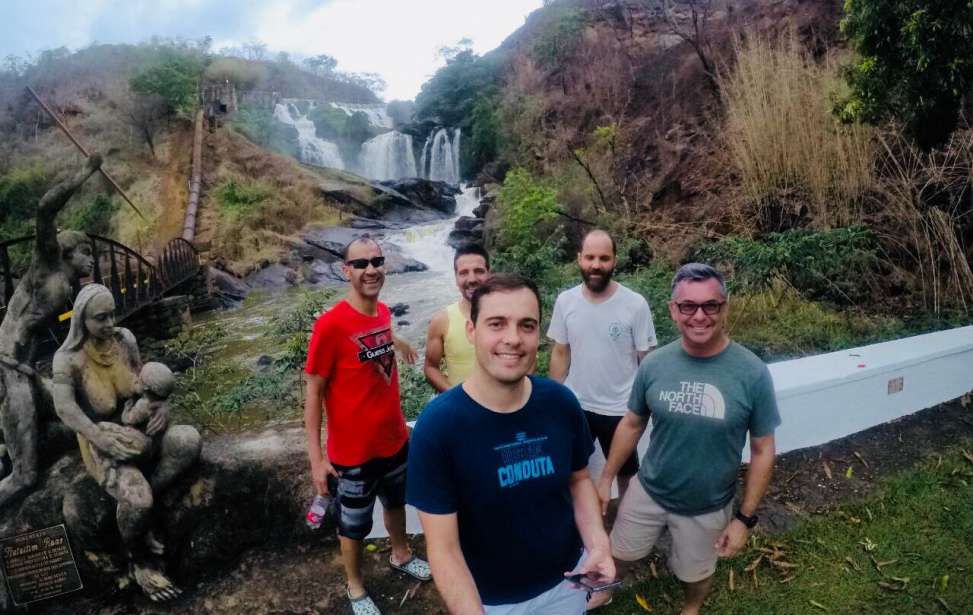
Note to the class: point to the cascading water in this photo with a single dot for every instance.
(313, 150)
(377, 114)
(388, 156)
(440, 156)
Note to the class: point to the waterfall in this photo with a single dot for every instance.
(377, 115)
(313, 151)
(440, 156)
(388, 156)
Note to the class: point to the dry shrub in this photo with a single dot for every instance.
(782, 137)
(923, 200)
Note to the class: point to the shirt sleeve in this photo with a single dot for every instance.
(558, 330)
(644, 327)
(430, 486)
(583, 442)
(765, 416)
(322, 349)
(636, 399)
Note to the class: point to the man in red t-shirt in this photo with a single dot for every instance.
(351, 369)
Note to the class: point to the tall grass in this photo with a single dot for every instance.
(924, 199)
(782, 137)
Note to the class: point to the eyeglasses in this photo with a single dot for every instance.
(363, 263)
(710, 308)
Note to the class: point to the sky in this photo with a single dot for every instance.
(397, 39)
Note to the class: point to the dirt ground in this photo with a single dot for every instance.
(299, 580)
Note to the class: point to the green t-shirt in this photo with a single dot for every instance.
(701, 411)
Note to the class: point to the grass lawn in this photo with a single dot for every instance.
(907, 549)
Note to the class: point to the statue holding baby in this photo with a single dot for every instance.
(118, 409)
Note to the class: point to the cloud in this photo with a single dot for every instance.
(397, 39)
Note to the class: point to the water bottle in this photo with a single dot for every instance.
(318, 511)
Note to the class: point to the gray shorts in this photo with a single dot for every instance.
(641, 521)
(565, 598)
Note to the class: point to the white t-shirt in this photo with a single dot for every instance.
(604, 338)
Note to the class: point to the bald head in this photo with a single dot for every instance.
(359, 242)
(598, 236)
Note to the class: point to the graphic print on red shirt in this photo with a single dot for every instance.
(354, 353)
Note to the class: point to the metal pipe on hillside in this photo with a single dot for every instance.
(84, 151)
(189, 222)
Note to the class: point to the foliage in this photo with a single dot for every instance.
(782, 137)
(238, 198)
(915, 64)
(294, 328)
(527, 206)
(903, 549)
(95, 217)
(175, 80)
(334, 124)
(20, 191)
(452, 92)
(485, 140)
(260, 126)
(559, 37)
(414, 391)
(836, 265)
(244, 75)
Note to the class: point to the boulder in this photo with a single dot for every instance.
(458, 238)
(469, 223)
(228, 290)
(272, 277)
(427, 193)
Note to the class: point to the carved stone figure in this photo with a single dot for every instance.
(96, 377)
(59, 261)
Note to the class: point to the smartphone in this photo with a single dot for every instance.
(592, 585)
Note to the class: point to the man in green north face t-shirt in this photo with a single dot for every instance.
(704, 394)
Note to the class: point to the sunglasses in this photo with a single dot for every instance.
(363, 263)
(710, 308)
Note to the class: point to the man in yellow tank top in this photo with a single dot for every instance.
(446, 341)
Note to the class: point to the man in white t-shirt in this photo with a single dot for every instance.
(601, 330)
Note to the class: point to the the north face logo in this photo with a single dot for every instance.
(697, 398)
(377, 348)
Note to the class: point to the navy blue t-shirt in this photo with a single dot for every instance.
(506, 477)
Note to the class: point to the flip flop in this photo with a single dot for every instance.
(363, 605)
(416, 568)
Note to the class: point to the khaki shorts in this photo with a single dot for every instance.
(641, 521)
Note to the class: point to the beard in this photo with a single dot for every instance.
(597, 283)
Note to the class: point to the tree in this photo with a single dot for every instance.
(915, 64)
(696, 33)
(322, 64)
(174, 81)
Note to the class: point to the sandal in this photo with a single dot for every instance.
(363, 605)
(416, 568)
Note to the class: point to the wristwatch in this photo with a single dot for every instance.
(750, 522)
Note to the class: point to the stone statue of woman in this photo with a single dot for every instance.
(95, 373)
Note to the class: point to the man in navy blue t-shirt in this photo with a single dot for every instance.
(498, 472)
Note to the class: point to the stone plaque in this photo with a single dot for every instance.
(39, 565)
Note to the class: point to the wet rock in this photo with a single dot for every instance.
(403, 323)
(399, 309)
(264, 363)
(469, 223)
(228, 290)
(458, 238)
(427, 193)
(272, 277)
(384, 201)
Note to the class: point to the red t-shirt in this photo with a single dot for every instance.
(353, 352)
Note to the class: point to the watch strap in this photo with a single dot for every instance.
(749, 521)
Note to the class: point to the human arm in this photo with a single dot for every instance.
(320, 464)
(47, 252)
(449, 570)
(599, 565)
(762, 453)
(560, 362)
(405, 349)
(640, 354)
(624, 441)
(435, 348)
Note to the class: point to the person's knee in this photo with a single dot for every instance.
(134, 490)
(183, 441)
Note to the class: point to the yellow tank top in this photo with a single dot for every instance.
(457, 350)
